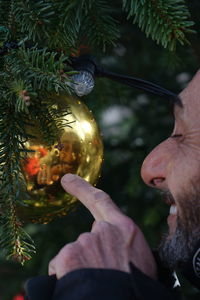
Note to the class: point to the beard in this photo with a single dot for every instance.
(176, 250)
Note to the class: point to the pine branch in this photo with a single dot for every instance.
(5, 25)
(47, 32)
(65, 29)
(33, 18)
(58, 25)
(82, 20)
(40, 69)
(98, 20)
(4, 16)
(15, 242)
(165, 21)
(49, 119)
(21, 88)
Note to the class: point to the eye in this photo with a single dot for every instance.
(176, 136)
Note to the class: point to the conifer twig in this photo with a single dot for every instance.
(165, 21)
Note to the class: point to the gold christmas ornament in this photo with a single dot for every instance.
(78, 150)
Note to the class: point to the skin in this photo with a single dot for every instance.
(115, 239)
(174, 162)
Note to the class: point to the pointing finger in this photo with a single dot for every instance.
(98, 202)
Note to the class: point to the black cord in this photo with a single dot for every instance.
(8, 46)
(88, 63)
(139, 84)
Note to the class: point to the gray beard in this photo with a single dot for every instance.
(175, 251)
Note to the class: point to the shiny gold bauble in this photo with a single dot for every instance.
(78, 150)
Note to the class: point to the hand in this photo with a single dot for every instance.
(114, 241)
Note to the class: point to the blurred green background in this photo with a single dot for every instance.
(132, 124)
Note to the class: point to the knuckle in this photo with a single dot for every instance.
(103, 227)
(100, 196)
(85, 238)
(69, 250)
(129, 225)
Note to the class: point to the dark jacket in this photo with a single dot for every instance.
(103, 284)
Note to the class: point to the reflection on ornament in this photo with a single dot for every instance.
(78, 150)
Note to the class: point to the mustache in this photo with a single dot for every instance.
(167, 197)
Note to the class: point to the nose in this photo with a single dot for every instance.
(156, 165)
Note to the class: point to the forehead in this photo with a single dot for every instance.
(190, 98)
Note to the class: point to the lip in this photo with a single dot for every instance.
(167, 198)
(172, 221)
(172, 217)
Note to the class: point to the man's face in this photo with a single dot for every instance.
(174, 167)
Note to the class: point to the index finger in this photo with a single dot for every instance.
(98, 202)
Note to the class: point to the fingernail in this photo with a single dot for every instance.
(67, 178)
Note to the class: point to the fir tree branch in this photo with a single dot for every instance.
(65, 29)
(62, 26)
(49, 119)
(98, 20)
(4, 16)
(165, 21)
(19, 87)
(40, 69)
(15, 242)
(80, 20)
(37, 73)
(33, 18)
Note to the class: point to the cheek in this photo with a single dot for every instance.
(183, 170)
